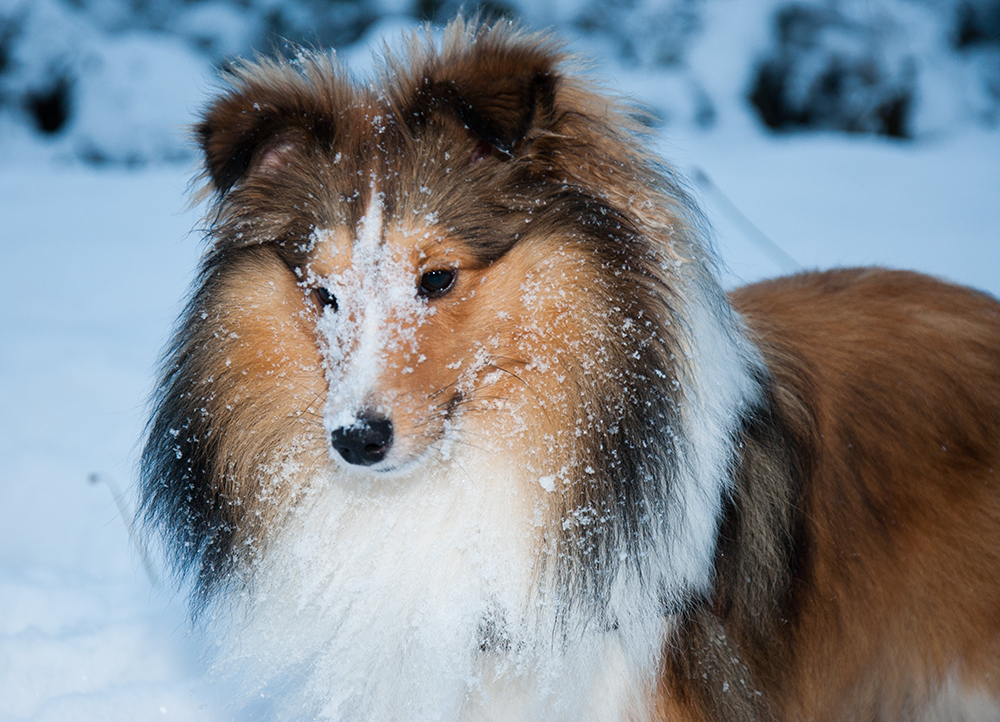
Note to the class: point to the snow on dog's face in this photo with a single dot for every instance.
(428, 309)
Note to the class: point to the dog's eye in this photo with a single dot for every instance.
(435, 283)
(325, 298)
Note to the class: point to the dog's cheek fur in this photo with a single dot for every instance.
(535, 302)
(245, 389)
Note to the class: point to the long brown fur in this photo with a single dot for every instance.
(856, 564)
(890, 382)
(898, 592)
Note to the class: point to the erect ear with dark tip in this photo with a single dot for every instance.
(500, 93)
(503, 110)
(237, 132)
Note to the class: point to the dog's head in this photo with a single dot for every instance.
(474, 250)
(449, 229)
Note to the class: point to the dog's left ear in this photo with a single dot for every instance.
(499, 94)
(502, 111)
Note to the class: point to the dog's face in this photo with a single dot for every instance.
(426, 255)
(405, 332)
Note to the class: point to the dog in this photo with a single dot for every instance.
(459, 424)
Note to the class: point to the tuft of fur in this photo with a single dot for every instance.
(609, 492)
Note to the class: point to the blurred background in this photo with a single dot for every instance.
(815, 133)
(106, 81)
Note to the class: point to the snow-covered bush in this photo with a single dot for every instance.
(122, 97)
(977, 42)
(833, 70)
(898, 68)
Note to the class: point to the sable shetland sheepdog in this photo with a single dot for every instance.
(460, 425)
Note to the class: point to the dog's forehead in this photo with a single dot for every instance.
(378, 180)
(374, 170)
(378, 237)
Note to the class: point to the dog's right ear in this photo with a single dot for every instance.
(502, 109)
(243, 130)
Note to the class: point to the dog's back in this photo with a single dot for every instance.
(891, 381)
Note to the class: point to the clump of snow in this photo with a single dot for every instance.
(135, 100)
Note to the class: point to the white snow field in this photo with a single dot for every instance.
(94, 267)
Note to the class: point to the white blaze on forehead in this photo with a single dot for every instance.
(368, 238)
(377, 311)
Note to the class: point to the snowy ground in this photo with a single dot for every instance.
(96, 262)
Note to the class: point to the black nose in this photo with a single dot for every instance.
(364, 442)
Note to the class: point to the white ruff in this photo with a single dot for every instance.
(718, 388)
(372, 604)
